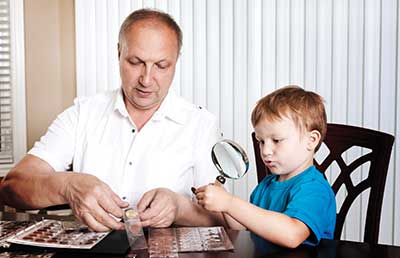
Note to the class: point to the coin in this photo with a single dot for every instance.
(130, 213)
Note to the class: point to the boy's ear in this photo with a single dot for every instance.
(119, 50)
(313, 139)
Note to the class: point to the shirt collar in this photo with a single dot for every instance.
(169, 108)
(119, 104)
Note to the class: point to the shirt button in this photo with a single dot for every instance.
(133, 130)
(130, 163)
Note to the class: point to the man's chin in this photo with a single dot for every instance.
(146, 105)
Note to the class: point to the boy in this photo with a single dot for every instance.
(295, 204)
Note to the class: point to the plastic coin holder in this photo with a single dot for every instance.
(11, 228)
(162, 243)
(170, 241)
(215, 239)
(189, 240)
(134, 230)
(52, 233)
(21, 254)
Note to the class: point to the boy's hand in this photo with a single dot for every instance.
(213, 197)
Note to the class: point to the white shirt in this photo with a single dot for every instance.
(97, 136)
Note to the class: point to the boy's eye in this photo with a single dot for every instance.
(277, 140)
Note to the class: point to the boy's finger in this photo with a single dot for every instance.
(201, 202)
(201, 188)
(200, 196)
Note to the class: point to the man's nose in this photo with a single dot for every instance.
(146, 78)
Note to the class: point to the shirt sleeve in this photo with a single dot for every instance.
(313, 203)
(204, 169)
(57, 146)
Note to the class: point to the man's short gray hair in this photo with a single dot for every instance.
(151, 14)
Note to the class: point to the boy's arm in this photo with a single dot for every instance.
(275, 227)
(232, 223)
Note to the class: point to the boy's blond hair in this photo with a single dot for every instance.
(305, 108)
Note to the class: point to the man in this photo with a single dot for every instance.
(139, 139)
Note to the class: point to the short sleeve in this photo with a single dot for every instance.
(57, 146)
(204, 169)
(314, 204)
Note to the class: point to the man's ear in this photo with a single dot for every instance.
(313, 139)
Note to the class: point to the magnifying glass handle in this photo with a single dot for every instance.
(220, 180)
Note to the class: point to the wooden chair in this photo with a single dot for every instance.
(338, 140)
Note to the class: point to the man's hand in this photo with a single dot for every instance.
(158, 208)
(93, 201)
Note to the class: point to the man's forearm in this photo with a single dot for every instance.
(192, 214)
(32, 193)
(32, 184)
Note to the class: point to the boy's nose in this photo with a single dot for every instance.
(266, 151)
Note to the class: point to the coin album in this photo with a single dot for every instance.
(168, 242)
(9, 229)
(50, 234)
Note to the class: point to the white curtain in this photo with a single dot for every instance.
(236, 51)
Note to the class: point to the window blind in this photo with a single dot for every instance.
(6, 134)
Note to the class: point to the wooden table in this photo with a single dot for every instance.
(248, 245)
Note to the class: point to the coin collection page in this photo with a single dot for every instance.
(20, 254)
(11, 228)
(54, 234)
(168, 242)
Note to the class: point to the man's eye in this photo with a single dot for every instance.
(161, 66)
(277, 140)
(135, 62)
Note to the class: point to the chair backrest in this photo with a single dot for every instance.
(339, 139)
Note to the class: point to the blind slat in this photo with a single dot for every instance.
(6, 135)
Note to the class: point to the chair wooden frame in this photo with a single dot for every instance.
(339, 139)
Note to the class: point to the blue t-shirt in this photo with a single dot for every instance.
(307, 197)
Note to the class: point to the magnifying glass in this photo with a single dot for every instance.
(230, 159)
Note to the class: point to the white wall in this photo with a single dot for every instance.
(236, 51)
